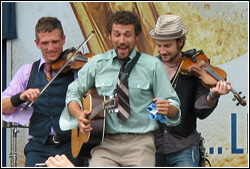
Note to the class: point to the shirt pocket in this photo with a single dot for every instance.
(104, 86)
(139, 91)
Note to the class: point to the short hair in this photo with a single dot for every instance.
(126, 18)
(48, 24)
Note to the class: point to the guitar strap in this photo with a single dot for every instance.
(128, 69)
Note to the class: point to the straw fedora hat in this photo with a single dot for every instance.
(168, 27)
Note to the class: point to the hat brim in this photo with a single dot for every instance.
(154, 35)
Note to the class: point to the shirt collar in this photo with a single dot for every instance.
(41, 63)
(131, 56)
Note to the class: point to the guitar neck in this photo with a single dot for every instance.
(96, 111)
(97, 104)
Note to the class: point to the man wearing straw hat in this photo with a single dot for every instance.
(179, 146)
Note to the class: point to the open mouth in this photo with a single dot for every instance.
(123, 50)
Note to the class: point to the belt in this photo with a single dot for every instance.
(53, 139)
(113, 134)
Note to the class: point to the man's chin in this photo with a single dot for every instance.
(122, 56)
(165, 58)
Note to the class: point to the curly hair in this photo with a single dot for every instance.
(48, 24)
(126, 18)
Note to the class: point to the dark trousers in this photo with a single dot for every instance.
(37, 152)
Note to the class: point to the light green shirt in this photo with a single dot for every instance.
(147, 80)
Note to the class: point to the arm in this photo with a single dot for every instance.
(165, 109)
(7, 107)
(11, 103)
(74, 114)
(16, 93)
(221, 88)
(170, 106)
(204, 104)
(81, 116)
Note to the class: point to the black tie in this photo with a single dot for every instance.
(123, 94)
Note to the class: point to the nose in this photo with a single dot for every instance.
(161, 50)
(50, 46)
(122, 40)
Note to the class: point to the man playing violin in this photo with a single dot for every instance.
(179, 146)
(45, 136)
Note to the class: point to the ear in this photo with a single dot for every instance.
(37, 43)
(137, 37)
(109, 36)
(181, 41)
(64, 39)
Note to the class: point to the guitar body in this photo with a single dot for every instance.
(81, 144)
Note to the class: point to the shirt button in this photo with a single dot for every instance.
(138, 86)
(120, 125)
(165, 131)
(51, 117)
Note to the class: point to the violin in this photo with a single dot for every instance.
(197, 64)
(75, 64)
(68, 59)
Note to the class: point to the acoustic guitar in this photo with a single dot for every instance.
(81, 144)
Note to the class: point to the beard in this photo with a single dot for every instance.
(172, 55)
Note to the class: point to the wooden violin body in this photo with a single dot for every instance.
(78, 61)
(201, 68)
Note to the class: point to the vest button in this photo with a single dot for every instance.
(51, 117)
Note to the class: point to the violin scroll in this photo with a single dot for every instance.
(240, 100)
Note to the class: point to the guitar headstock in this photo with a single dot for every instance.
(110, 105)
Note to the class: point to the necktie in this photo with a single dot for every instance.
(48, 71)
(123, 94)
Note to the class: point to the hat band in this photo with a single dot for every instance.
(170, 35)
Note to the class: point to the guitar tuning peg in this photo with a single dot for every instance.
(240, 92)
(243, 97)
(237, 104)
(234, 99)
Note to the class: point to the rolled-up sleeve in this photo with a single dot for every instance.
(163, 88)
